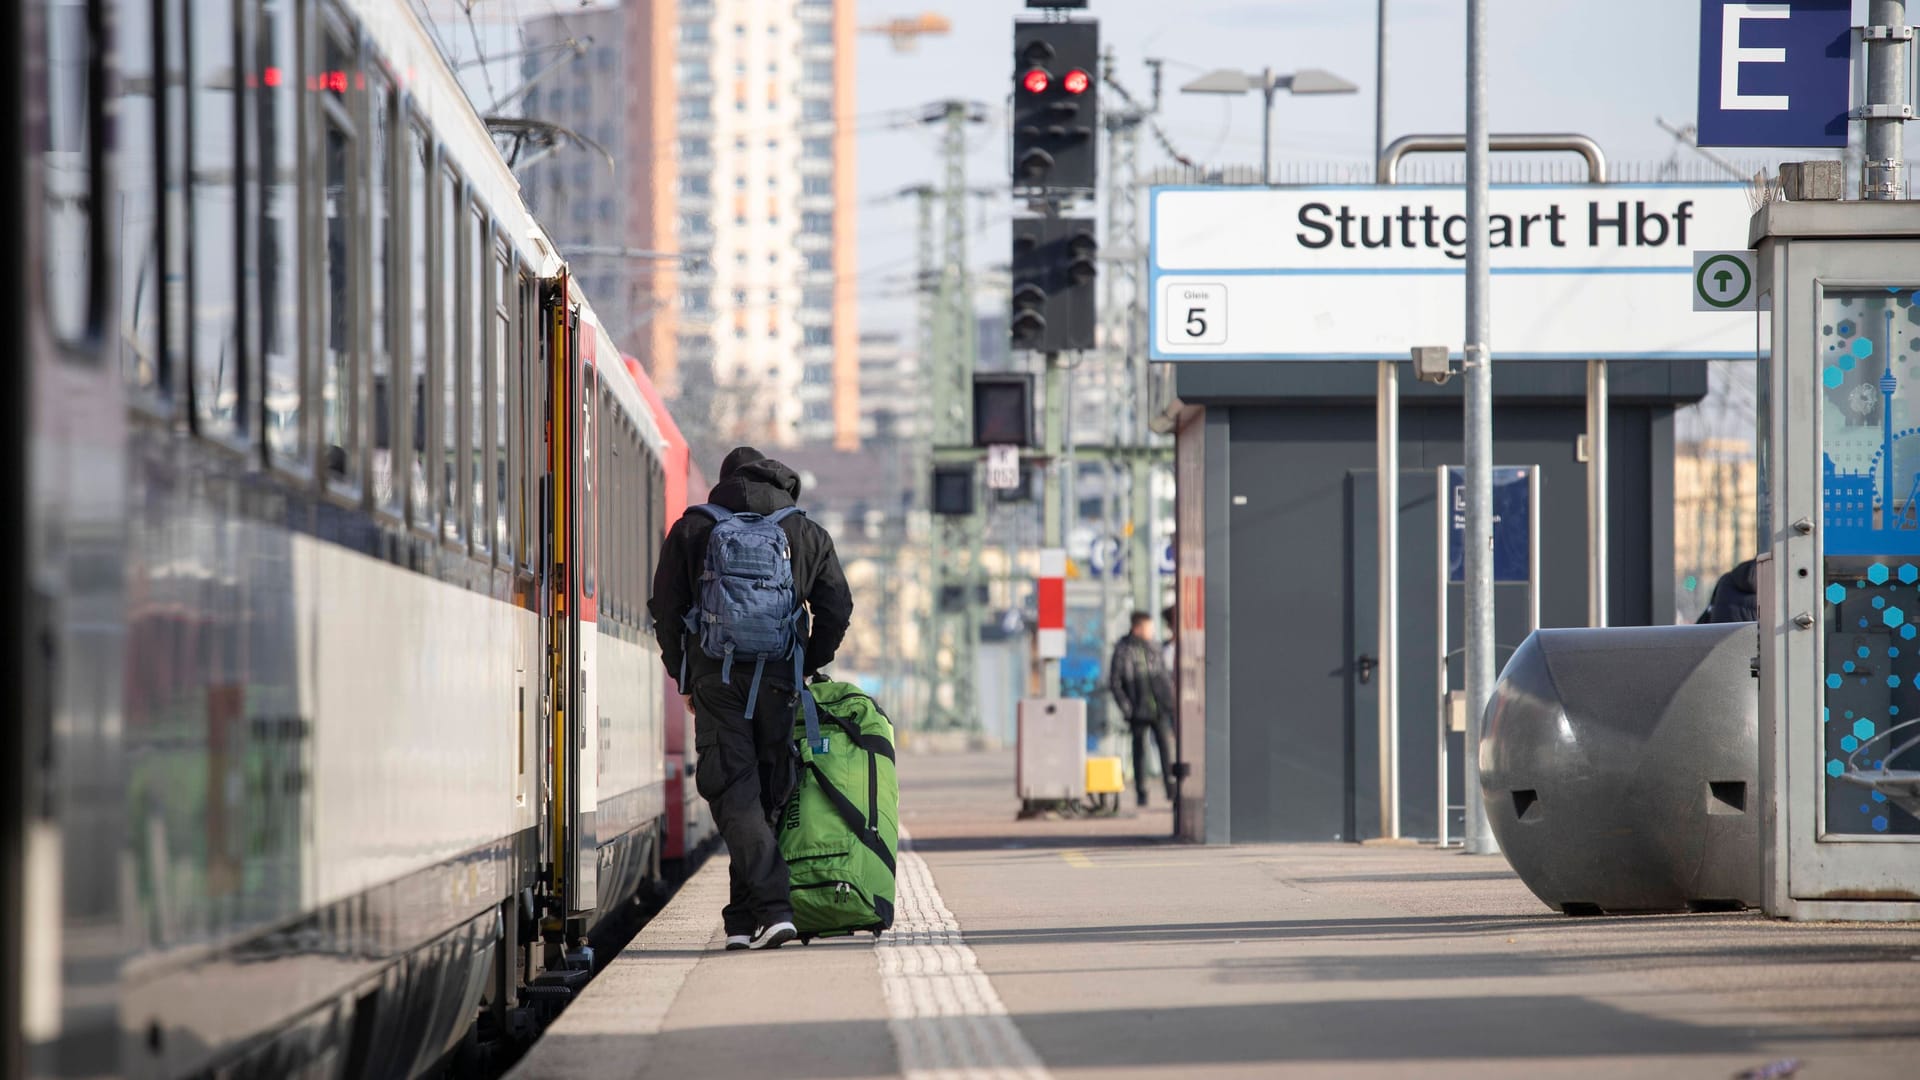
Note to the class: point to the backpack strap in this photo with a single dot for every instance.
(717, 513)
(784, 513)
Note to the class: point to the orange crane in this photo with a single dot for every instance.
(907, 30)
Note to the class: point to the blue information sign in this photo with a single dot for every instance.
(1774, 74)
(1512, 524)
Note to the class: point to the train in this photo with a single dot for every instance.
(339, 737)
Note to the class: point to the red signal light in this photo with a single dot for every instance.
(1075, 82)
(1036, 80)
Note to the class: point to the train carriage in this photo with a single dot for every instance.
(339, 726)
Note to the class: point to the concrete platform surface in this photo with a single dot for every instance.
(1094, 948)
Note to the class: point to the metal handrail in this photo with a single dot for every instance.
(1583, 145)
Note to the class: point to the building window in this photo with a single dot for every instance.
(817, 71)
(816, 149)
(816, 223)
(696, 108)
(739, 183)
(695, 32)
(740, 298)
(817, 375)
(817, 335)
(739, 29)
(817, 109)
(696, 299)
(817, 33)
(695, 184)
(819, 260)
(817, 298)
(696, 148)
(816, 185)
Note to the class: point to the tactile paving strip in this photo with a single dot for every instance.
(947, 1022)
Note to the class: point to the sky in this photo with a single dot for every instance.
(1604, 69)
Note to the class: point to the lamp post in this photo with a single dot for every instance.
(1305, 81)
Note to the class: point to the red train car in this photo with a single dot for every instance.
(689, 822)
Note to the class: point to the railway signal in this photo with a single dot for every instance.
(1056, 105)
(1053, 272)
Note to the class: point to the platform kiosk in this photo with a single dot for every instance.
(1839, 422)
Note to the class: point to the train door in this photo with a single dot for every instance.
(562, 749)
(570, 842)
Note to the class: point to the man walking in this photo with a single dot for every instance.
(713, 606)
(1138, 678)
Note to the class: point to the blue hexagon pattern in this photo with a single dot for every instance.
(1877, 573)
(1863, 729)
(1893, 616)
(1836, 592)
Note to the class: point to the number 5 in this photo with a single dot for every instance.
(1196, 325)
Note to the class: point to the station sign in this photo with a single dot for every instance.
(1512, 526)
(1775, 74)
(1579, 271)
(1724, 281)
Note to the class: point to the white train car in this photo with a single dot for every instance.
(339, 728)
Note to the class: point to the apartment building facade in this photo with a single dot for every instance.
(745, 116)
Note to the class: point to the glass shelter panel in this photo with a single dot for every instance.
(1869, 355)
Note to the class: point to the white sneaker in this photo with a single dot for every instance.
(772, 937)
(738, 941)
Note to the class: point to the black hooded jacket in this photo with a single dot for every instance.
(1735, 597)
(758, 486)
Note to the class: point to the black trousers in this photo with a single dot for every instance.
(746, 771)
(1162, 740)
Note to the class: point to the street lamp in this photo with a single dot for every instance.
(1307, 81)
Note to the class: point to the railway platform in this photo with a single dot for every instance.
(1085, 949)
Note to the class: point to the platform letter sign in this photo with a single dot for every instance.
(1774, 74)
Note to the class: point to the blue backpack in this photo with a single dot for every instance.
(748, 607)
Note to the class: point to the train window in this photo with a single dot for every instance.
(382, 293)
(142, 362)
(533, 423)
(479, 314)
(446, 279)
(337, 318)
(67, 165)
(505, 396)
(585, 522)
(418, 318)
(213, 207)
(610, 495)
(277, 231)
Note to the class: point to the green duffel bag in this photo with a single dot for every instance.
(840, 832)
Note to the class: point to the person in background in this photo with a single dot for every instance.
(1734, 597)
(1137, 677)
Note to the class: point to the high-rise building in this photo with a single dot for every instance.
(579, 73)
(744, 110)
(893, 392)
